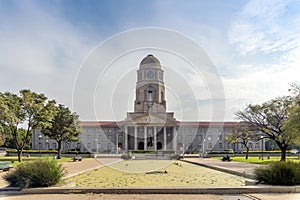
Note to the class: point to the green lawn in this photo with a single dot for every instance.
(257, 160)
(14, 159)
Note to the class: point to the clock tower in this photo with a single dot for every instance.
(150, 89)
(150, 127)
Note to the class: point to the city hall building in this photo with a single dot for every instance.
(149, 126)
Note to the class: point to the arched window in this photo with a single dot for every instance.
(162, 96)
(150, 94)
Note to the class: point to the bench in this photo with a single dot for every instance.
(77, 158)
(5, 166)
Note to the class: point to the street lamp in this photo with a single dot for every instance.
(117, 150)
(203, 148)
(96, 140)
(47, 144)
(40, 144)
(262, 147)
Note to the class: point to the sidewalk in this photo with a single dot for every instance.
(73, 168)
(237, 168)
(87, 164)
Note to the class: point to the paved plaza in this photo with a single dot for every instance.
(75, 168)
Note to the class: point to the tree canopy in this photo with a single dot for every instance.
(65, 126)
(23, 112)
(268, 118)
(244, 134)
(292, 124)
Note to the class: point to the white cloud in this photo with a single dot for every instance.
(264, 27)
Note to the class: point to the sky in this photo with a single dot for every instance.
(81, 53)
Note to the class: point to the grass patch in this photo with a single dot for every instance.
(257, 160)
(174, 173)
(14, 159)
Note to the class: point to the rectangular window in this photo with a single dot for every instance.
(220, 145)
(200, 137)
(89, 145)
(180, 137)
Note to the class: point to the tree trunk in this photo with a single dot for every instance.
(247, 153)
(19, 151)
(59, 149)
(283, 153)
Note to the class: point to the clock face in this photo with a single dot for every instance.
(150, 74)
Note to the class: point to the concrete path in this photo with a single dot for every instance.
(91, 196)
(74, 168)
(237, 168)
(87, 164)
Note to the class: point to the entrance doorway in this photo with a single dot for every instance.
(159, 145)
(141, 146)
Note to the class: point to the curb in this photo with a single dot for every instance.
(168, 190)
(222, 170)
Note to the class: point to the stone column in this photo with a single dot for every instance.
(126, 138)
(174, 138)
(135, 138)
(154, 137)
(145, 137)
(165, 138)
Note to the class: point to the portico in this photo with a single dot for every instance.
(150, 138)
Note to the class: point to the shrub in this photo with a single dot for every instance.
(126, 157)
(279, 173)
(42, 172)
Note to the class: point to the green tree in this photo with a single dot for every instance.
(244, 134)
(269, 118)
(65, 127)
(27, 110)
(292, 124)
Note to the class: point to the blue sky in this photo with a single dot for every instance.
(253, 44)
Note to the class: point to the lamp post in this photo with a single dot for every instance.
(47, 144)
(203, 148)
(40, 144)
(117, 150)
(262, 147)
(96, 140)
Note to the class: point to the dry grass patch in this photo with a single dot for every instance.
(133, 173)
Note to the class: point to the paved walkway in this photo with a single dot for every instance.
(237, 168)
(87, 164)
(74, 168)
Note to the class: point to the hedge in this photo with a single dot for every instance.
(279, 173)
(152, 151)
(33, 151)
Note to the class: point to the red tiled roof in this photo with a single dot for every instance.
(101, 123)
(207, 124)
(179, 123)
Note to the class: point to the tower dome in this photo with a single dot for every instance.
(150, 61)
